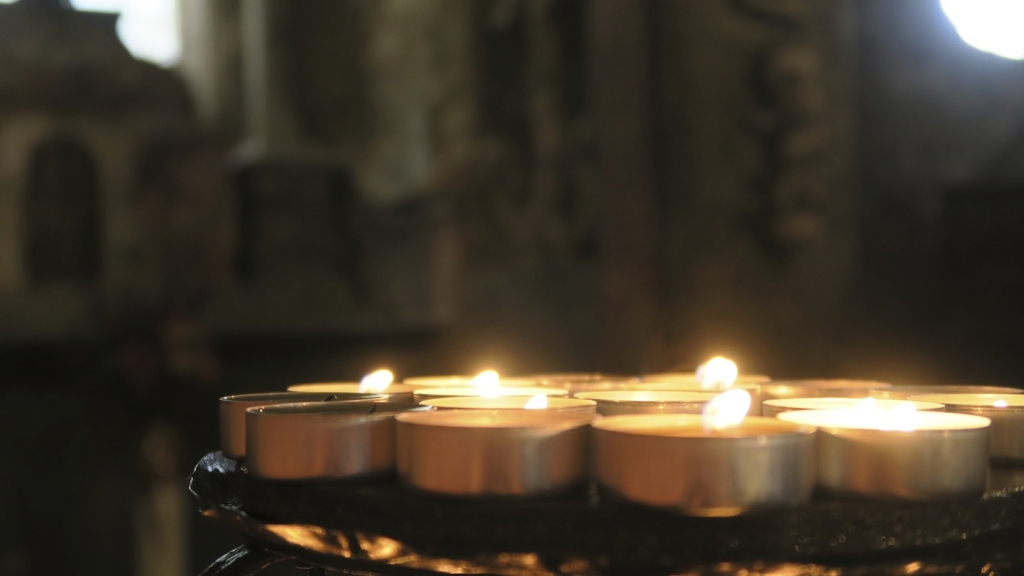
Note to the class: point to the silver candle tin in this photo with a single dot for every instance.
(621, 402)
(497, 453)
(904, 391)
(949, 460)
(322, 440)
(511, 403)
(399, 393)
(232, 413)
(425, 394)
(775, 407)
(667, 460)
(1006, 436)
(777, 389)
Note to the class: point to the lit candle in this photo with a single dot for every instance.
(536, 402)
(499, 452)
(232, 413)
(322, 440)
(718, 464)
(481, 379)
(1006, 411)
(618, 402)
(775, 407)
(777, 389)
(716, 374)
(904, 391)
(425, 394)
(377, 382)
(898, 453)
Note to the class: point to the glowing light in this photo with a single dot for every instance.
(903, 417)
(487, 383)
(717, 374)
(1000, 404)
(726, 410)
(994, 26)
(537, 402)
(376, 382)
(149, 29)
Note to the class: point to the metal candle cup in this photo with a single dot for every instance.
(904, 391)
(1006, 411)
(778, 389)
(424, 394)
(322, 440)
(620, 402)
(232, 413)
(400, 393)
(668, 460)
(420, 382)
(511, 403)
(776, 407)
(497, 453)
(576, 383)
(692, 386)
(945, 455)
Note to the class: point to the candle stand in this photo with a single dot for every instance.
(378, 527)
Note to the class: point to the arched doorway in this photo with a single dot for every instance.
(62, 214)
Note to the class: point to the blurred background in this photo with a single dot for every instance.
(201, 197)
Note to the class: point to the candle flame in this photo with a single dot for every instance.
(717, 374)
(487, 383)
(537, 402)
(901, 418)
(1000, 404)
(377, 381)
(726, 410)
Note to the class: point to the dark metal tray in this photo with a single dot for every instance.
(379, 527)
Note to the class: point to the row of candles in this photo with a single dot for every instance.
(711, 443)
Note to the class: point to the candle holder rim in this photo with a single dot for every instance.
(794, 402)
(1014, 402)
(575, 377)
(334, 409)
(785, 429)
(299, 397)
(546, 419)
(828, 384)
(442, 401)
(393, 388)
(981, 422)
(678, 396)
(469, 391)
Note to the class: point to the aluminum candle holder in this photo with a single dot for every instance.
(322, 440)
(497, 453)
(400, 393)
(668, 460)
(425, 394)
(421, 382)
(776, 407)
(232, 413)
(578, 382)
(778, 389)
(555, 404)
(904, 391)
(691, 385)
(621, 402)
(944, 455)
(1006, 411)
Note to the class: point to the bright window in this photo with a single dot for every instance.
(148, 28)
(995, 26)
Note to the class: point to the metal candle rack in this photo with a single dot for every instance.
(379, 527)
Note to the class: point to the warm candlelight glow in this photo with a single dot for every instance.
(1000, 404)
(377, 381)
(726, 410)
(537, 402)
(718, 373)
(902, 417)
(487, 383)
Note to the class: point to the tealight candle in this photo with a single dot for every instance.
(716, 375)
(619, 402)
(904, 391)
(898, 453)
(691, 378)
(400, 393)
(483, 379)
(499, 452)
(775, 407)
(579, 382)
(1006, 411)
(536, 402)
(442, 392)
(232, 413)
(672, 460)
(777, 389)
(322, 440)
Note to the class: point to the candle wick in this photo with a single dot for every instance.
(330, 398)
